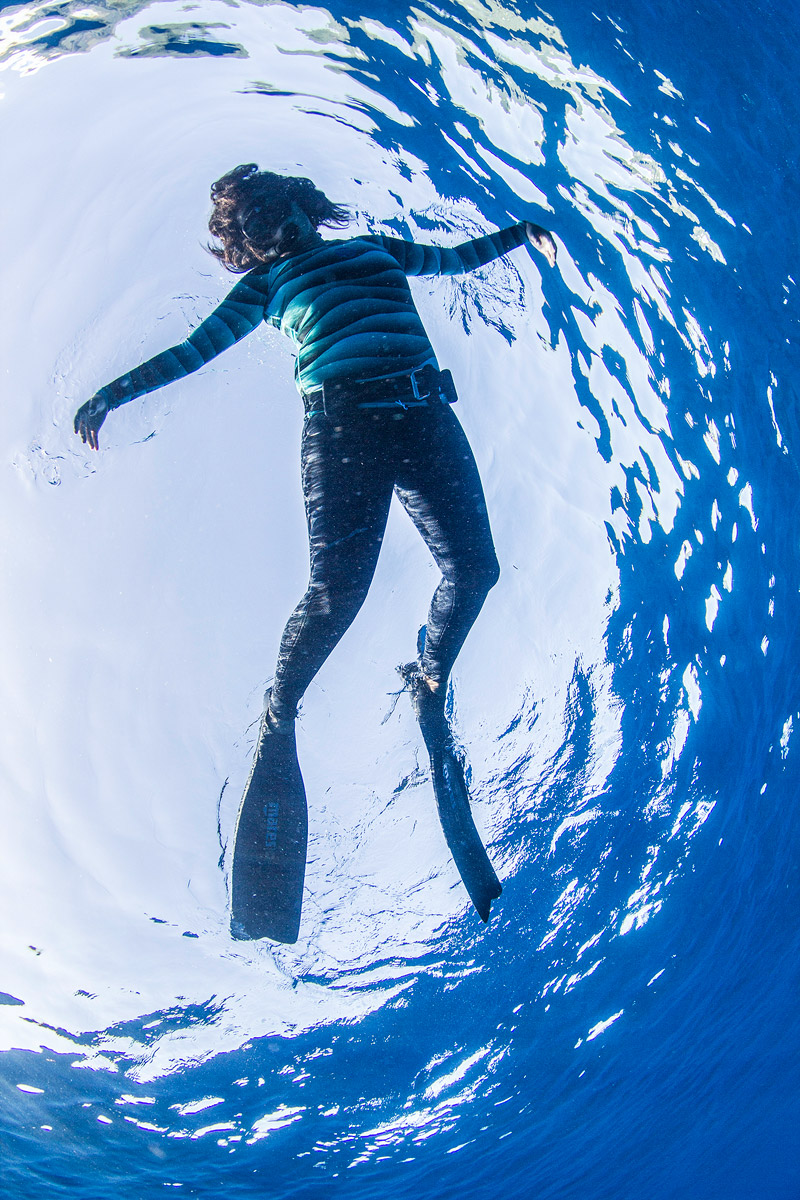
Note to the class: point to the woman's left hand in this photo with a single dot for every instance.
(542, 240)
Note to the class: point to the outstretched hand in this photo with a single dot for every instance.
(89, 418)
(542, 241)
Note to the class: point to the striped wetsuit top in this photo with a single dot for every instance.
(346, 305)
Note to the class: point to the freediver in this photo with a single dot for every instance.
(378, 422)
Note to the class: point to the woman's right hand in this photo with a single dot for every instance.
(89, 418)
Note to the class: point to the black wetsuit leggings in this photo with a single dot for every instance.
(350, 468)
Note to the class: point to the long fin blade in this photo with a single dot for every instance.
(270, 844)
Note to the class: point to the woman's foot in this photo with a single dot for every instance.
(275, 719)
(427, 700)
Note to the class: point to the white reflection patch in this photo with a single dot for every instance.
(282, 1116)
(599, 1028)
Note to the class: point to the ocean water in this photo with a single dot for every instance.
(626, 1026)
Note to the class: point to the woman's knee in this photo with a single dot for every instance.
(336, 601)
(488, 574)
(476, 576)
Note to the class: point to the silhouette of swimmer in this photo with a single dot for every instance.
(378, 416)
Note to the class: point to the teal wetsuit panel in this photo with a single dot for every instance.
(346, 305)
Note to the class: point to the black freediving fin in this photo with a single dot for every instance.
(463, 839)
(270, 841)
(452, 796)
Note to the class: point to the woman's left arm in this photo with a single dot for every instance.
(417, 259)
(240, 313)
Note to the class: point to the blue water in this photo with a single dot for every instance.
(627, 1024)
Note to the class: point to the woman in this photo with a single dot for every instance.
(377, 410)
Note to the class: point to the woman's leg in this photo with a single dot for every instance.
(347, 484)
(440, 488)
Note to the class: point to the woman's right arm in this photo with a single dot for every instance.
(239, 313)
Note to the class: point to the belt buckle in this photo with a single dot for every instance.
(427, 375)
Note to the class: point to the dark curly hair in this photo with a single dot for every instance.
(249, 207)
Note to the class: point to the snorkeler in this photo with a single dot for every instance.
(378, 422)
